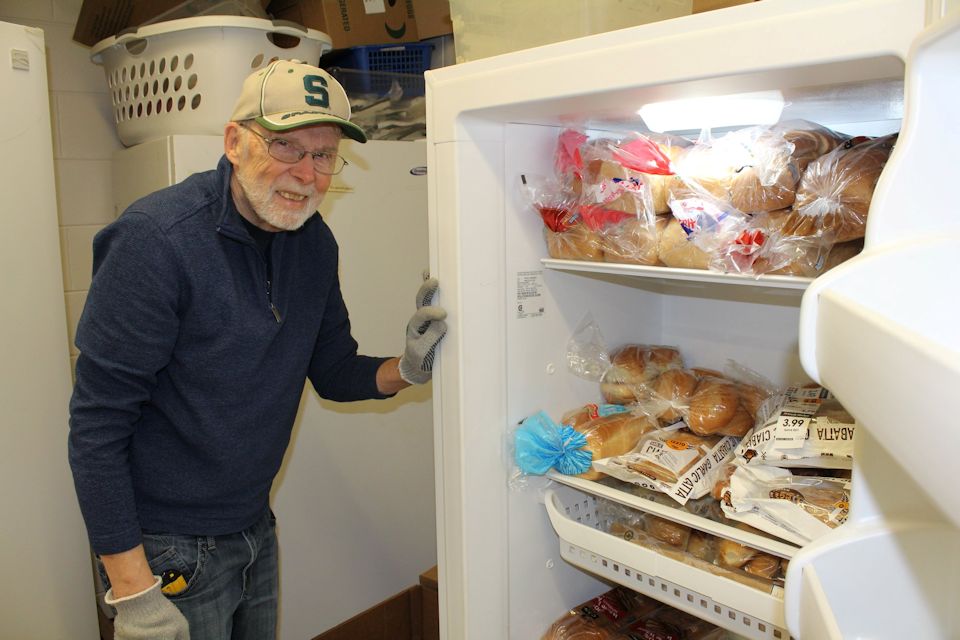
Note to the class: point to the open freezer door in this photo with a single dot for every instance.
(881, 332)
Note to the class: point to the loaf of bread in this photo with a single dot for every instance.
(834, 195)
(613, 435)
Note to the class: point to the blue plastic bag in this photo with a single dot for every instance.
(541, 444)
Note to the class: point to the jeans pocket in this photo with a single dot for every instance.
(178, 560)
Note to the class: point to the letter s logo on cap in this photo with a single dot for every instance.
(316, 87)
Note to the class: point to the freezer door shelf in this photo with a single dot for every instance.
(728, 604)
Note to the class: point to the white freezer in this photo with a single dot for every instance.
(515, 557)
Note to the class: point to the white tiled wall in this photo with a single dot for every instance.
(83, 139)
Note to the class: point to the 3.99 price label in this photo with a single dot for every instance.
(792, 430)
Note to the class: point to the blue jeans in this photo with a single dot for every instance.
(229, 587)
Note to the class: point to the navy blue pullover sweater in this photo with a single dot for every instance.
(192, 363)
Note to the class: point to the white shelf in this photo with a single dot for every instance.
(759, 542)
(674, 274)
(744, 610)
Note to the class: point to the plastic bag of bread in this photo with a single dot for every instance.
(600, 617)
(640, 158)
(673, 461)
(801, 427)
(780, 252)
(541, 444)
(798, 509)
(835, 192)
(613, 435)
(629, 238)
(726, 403)
(701, 233)
(633, 367)
(566, 235)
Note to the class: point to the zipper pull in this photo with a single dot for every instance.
(273, 307)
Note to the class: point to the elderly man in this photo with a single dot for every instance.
(212, 302)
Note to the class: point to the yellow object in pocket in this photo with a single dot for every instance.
(173, 582)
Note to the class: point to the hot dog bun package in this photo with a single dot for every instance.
(673, 460)
(796, 508)
(801, 427)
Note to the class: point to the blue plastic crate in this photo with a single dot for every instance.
(410, 59)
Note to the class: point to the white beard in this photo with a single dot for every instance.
(261, 196)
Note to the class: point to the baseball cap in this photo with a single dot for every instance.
(287, 94)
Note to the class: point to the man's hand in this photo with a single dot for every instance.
(424, 332)
(147, 615)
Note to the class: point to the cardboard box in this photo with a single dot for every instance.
(433, 18)
(699, 6)
(351, 23)
(101, 19)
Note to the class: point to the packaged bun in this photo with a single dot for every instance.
(633, 367)
(784, 253)
(712, 406)
(725, 406)
(679, 251)
(835, 192)
(672, 533)
(613, 435)
(634, 240)
(576, 242)
(702, 545)
(673, 387)
(809, 140)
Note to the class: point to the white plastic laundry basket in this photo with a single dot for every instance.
(183, 76)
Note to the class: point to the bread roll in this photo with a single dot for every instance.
(633, 366)
(672, 533)
(712, 406)
(576, 243)
(674, 386)
(702, 545)
(610, 184)
(633, 241)
(810, 141)
(678, 251)
(763, 565)
(613, 435)
(734, 555)
(834, 195)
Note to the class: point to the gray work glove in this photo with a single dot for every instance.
(147, 615)
(424, 332)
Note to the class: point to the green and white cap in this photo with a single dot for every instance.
(287, 94)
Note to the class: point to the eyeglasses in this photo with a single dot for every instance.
(324, 162)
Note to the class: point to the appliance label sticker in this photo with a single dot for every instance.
(529, 294)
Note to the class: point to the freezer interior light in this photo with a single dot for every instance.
(763, 107)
